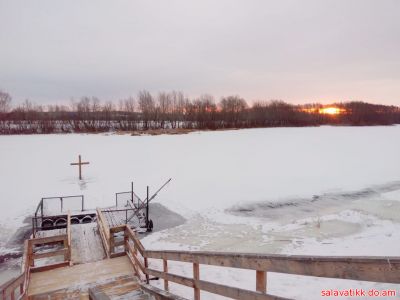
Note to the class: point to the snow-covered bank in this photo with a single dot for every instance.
(326, 190)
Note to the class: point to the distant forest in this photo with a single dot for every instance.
(174, 111)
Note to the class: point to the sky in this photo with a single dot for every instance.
(297, 51)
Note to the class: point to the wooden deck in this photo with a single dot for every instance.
(76, 280)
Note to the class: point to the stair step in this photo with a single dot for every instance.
(134, 296)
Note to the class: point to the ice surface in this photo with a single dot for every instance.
(322, 190)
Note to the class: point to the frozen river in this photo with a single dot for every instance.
(322, 190)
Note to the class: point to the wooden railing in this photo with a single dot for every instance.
(13, 289)
(375, 269)
(17, 287)
(136, 254)
(104, 231)
(61, 245)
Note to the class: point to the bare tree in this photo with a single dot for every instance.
(146, 107)
(232, 109)
(5, 102)
(164, 107)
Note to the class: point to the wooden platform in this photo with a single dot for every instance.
(75, 281)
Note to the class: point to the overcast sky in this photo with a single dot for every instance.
(294, 50)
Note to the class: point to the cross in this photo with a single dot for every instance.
(80, 163)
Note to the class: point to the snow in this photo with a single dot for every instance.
(322, 190)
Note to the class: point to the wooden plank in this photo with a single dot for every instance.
(171, 277)
(196, 277)
(104, 240)
(29, 254)
(261, 281)
(50, 253)
(104, 232)
(158, 293)
(131, 259)
(81, 275)
(48, 240)
(50, 267)
(375, 269)
(117, 228)
(135, 240)
(223, 290)
(106, 228)
(25, 261)
(118, 254)
(97, 294)
(235, 293)
(137, 262)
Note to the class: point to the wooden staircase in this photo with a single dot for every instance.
(108, 279)
(125, 273)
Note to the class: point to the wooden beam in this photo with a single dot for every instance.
(97, 294)
(235, 293)
(223, 290)
(136, 260)
(261, 281)
(118, 254)
(118, 228)
(159, 294)
(135, 271)
(135, 240)
(50, 267)
(48, 240)
(171, 277)
(50, 253)
(104, 232)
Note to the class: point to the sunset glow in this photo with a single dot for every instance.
(330, 110)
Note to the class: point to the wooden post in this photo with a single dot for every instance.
(80, 168)
(165, 264)
(196, 277)
(147, 209)
(112, 243)
(132, 194)
(33, 228)
(146, 265)
(66, 255)
(69, 237)
(261, 281)
(31, 262)
(126, 241)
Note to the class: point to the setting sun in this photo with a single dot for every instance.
(330, 110)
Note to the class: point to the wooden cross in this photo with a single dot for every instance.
(80, 163)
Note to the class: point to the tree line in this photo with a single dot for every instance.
(173, 110)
